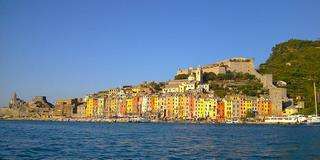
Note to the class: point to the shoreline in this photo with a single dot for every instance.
(127, 120)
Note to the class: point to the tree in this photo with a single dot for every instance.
(209, 77)
(181, 76)
(156, 86)
(250, 114)
(229, 75)
(296, 62)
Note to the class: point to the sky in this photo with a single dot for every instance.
(66, 49)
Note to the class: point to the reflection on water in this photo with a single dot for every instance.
(72, 140)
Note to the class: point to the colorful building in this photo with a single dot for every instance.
(65, 108)
(248, 105)
(101, 107)
(183, 107)
(122, 108)
(228, 106)
(161, 106)
(192, 107)
(264, 107)
(211, 108)
(154, 104)
(145, 104)
(169, 107)
(236, 107)
(201, 108)
(129, 106)
(220, 111)
(114, 109)
(176, 105)
(91, 104)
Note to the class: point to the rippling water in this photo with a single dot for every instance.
(78, 140)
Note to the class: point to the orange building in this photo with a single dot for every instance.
(242, 108)
(153, 105)
(264, 107)
(183, 107)
(220, 111)
(122, 108)
(191, 102)
(169, 107)
(136, 103)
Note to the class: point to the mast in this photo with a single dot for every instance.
(315, 98)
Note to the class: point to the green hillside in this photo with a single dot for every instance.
(296, 62)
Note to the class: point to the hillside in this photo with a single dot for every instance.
(296, 62)
(231, 83)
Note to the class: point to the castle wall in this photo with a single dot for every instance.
(240, 66)
(214, 69)
(182, 71)
(267, 81)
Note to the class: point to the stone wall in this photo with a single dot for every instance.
(239, 66)
(214, 69)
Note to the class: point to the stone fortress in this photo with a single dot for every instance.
(244, 65)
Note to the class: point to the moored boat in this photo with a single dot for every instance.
(284, 120)
(313, 119)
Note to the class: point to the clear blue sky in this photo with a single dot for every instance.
(65, 49)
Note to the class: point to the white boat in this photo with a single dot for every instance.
(282, 120)
(232, 121)
(228, 122)
(313, 119)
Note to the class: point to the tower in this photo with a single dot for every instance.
(199, 74)
(14, 99)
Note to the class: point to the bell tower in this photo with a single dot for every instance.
(199, 74)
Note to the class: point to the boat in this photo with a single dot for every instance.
(228, 122)
(313, 119)
(235, 121)
(282, 120)
(143, 120)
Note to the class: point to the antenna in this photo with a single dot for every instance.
(315, 97)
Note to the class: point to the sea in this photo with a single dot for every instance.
(85, 140)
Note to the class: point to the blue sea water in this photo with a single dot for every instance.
(80, 140)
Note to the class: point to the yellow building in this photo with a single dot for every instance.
(182, 88)
(136, 89)
(169, 107)
(200, 108)
(161, 105)
(114, 107)
(183, 107)
(176, 104)
(211, 108)
(89, 112)
(155, 101)
(129, 105)
(291, 111)
(248, 106)
(228, 109)
(101, 106)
